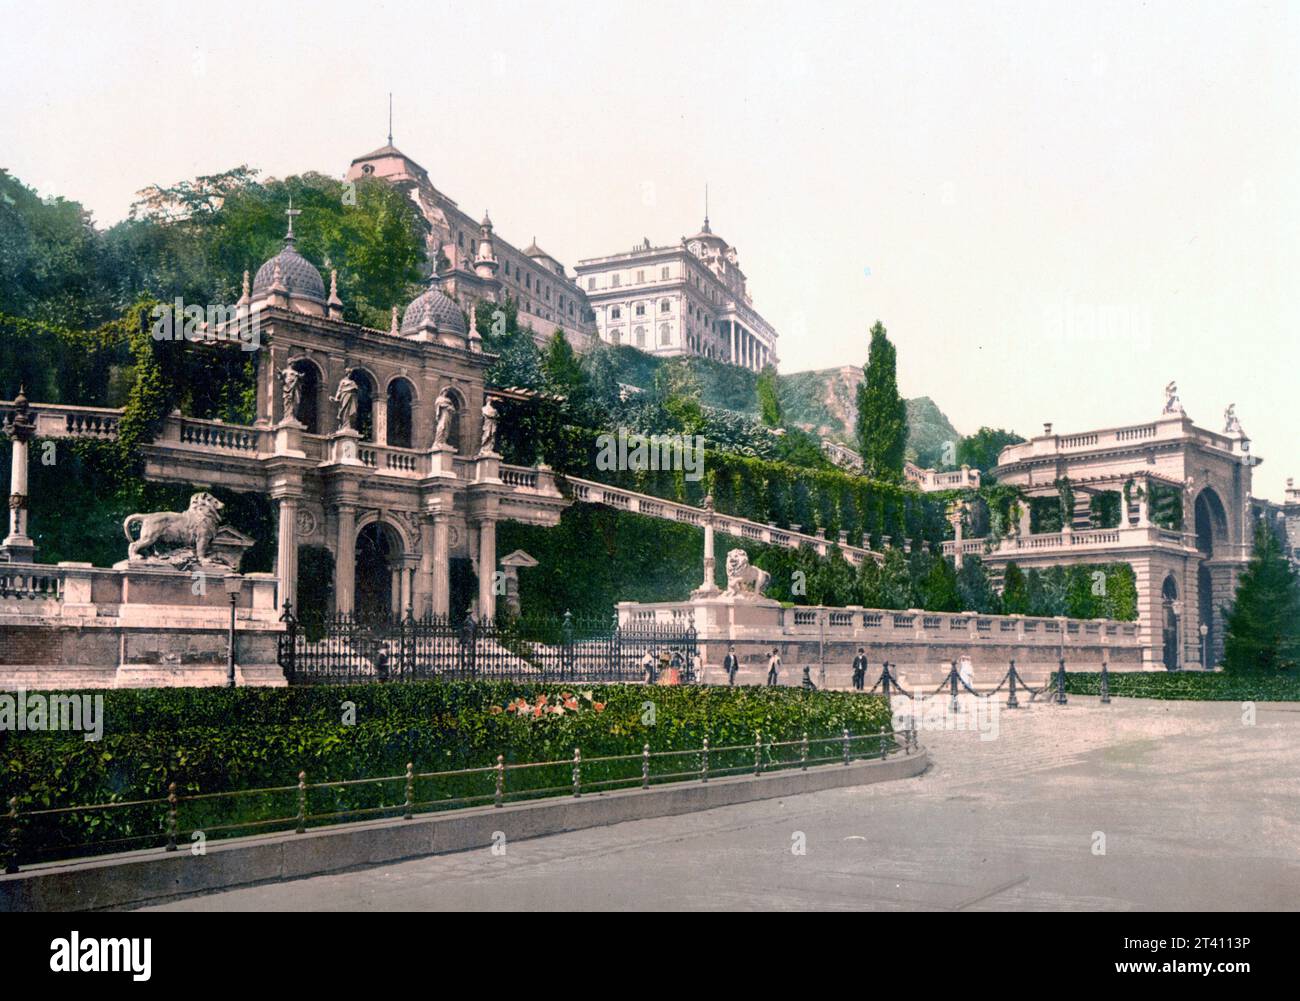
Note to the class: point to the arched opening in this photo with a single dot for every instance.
(379, 565)
(1211, 522)
(365, 403)
(401, 405)
(1172, 613)
(456, 420)
(309, 405)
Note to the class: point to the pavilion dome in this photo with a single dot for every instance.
(298, 274)
(435, 309)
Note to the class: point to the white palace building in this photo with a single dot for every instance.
(687, 298)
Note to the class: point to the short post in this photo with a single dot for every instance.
(803, 752)
(884, 679)
(302, 803)
(1060, 683)
(952, 682)
(758, 753)
(645, 766)
(171, 817)
(1012, 701)
(11, 846)
(577, 772)
(704, 762)
(410, 790)
(1105, 680)
(499, 796)
(884, 743)
(909, 736)
(846, 746)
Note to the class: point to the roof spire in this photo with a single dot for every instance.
(390, 118)
(706, 208)
(291, 212)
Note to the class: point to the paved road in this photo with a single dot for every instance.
(1198, 811)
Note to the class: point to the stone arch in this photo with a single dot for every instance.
(459, 437)
(400, 396)
(380, 566)
(367, 386)
(1213, 542)
(1171, 608)
(313, 382)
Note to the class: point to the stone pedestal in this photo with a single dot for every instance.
(288, 438)
(345, 448)
(442, 461)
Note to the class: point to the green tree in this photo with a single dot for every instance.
(975, 589)
(895, 580)
(1015, 593)
(882, 413)
(1263, 626)
(940, 588)
(981, 449)
(769, 399)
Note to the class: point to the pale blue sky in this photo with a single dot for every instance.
(1061, 206)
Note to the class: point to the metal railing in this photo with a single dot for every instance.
(34, 836)
(346, 649)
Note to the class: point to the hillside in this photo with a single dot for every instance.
(823, 402)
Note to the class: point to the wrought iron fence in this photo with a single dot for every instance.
(34, 833)
(347, 649)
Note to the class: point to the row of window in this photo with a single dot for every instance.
(616, 279)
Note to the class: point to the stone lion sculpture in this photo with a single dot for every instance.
(172, 534)
(744, 580)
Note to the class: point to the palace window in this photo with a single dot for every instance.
(640, 309)
(665, 305)
(591, 284)
(640, 337)
(616, 281)
(616, 313)
(640, 277)
(665, 334)
(663, 274)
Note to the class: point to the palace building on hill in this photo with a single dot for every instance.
(474, 265)
(688, 298)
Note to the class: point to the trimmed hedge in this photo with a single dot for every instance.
(1203, 686)
(219, 740)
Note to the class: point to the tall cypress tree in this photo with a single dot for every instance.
(1263, 631)
(882, 413)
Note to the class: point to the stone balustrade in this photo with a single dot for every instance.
(1072, 542)
(592, 492)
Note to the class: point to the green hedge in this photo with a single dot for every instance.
(1202, 686)
(217, 740)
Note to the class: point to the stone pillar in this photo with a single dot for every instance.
(440, 565)
(345, 560)
(17, 546)
(286, 551)
(1144, 503)
(487, 564)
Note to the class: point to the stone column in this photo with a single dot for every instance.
(286, 551)
(345, 560)
(487, 565)
(440, 565)
(17, 546)
(1144, 503)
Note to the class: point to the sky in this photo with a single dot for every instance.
(1054, 208)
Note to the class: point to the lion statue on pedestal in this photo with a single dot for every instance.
(744, 580)
(172, 535)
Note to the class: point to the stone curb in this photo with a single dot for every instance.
(135, 878)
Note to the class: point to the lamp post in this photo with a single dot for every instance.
(234, 584)
(1177, 608)
(1205, 652)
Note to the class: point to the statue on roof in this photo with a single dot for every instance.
(444, 412)
(1172, 404)
(1231, 425)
